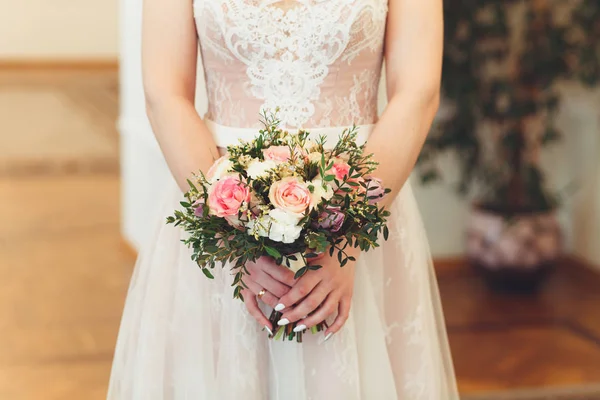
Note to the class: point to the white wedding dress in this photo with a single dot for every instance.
(182, 336)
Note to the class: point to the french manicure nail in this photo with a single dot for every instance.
(279, 307)
(283, 321)
(299, 328)
(269, 330)
(327, 337)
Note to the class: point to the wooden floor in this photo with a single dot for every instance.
(503, 342)
(64, 272)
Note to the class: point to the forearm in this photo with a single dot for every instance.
(184, 139)
(399, 136)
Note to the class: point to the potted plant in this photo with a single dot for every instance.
(502, 60)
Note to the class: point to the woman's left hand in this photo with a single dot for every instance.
(322, 293)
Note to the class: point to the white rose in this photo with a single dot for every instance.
(258, 168)
(320, 192)
(220, 168)
(284, 226)
(278, 225)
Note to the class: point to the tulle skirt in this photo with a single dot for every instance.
(184, 337)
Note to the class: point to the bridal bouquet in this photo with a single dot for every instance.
(285, 196)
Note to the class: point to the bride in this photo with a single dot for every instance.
(319, 61)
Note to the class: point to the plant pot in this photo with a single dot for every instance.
(514, 251)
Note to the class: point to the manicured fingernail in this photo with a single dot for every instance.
(328, 337)
(283, 321)
(279, 307)
(269, 330)
(299, 328)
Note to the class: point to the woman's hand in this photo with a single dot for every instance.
(319, 294)
(275, 280)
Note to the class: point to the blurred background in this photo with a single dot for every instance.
(508, 185)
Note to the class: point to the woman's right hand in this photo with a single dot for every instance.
(266, 275)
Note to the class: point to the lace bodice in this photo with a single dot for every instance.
(318, 61)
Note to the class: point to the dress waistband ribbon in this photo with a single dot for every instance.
(229, 136)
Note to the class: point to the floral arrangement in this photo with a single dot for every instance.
(285, 196)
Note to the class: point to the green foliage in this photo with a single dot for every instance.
(217, 242)
(497, 82)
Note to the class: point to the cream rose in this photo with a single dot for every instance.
(290, 194)
(257, 168)
(320, 192)
(219, 169)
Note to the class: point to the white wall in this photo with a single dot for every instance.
(58, 29)
(580, 122)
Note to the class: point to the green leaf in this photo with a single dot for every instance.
(238, 278)
(329, 178)
(206, 272)
(386, 233)
(311, 255)
(315, 267)
(211, 249)
(301, 272)
(192, 185)
(272, 252)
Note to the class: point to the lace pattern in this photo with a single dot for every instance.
(294, 57)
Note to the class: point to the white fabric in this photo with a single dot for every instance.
(182, 336)
(228, 136)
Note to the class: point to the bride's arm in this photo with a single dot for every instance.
(413, 57)
(413, 54)
(169, 57)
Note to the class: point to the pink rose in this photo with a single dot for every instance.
(277, 153)
(341, 170)
(227, 195)
(290, 194)
(331, 219)
(375, 189)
